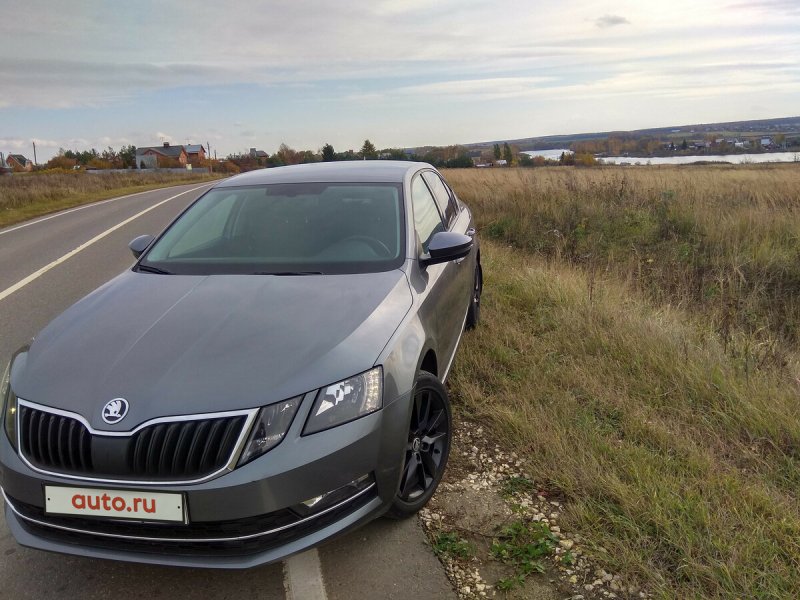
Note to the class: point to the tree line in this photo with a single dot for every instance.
(445, 156)
(450, 157)
(124, 158)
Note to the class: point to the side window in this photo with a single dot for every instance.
(442, 195)
(427, 220)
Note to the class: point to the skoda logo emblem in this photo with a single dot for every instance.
(115, 410)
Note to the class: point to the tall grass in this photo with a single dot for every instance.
(616, 379)
(724, 241)
(23, 196)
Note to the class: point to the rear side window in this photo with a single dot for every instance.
(427, 220)
(442, 195)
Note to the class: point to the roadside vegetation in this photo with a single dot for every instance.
(638, 348)
(23, 196)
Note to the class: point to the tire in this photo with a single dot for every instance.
(427, 448)
(474, 311)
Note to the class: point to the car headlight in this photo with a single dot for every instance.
(269, 429)
(346, 401)
(9, 403)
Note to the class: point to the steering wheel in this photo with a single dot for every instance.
(378, 246)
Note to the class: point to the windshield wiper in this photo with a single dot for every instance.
(149, 269)
(288, 273)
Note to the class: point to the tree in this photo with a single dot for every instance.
(127, 156)
(462, 161)
(368, 151)
(328, 153)
(307, 156)
(684, 144)
(61, 162)
(287, 155)
(507, 154)
(497, 153)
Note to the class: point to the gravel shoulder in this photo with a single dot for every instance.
(496, 530)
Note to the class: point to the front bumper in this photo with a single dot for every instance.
(240, 519)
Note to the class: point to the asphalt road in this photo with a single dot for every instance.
(47, 264)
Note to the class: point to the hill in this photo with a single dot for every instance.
(788, 126)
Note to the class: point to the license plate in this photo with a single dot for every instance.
(118, 504)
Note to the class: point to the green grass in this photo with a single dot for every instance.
(679, 465)
(723, 241)
(523, 546)
(452, 545)
(24, 196)
(638, 349)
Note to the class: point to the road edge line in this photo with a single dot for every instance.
(36, 274)
(67, 211)
(302, 577)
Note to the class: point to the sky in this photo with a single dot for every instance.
(403, 73)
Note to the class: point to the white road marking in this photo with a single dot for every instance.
(302, 577)
(33, 276)
(72, 210)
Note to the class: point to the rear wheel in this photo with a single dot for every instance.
(474, 312)
(427, 447)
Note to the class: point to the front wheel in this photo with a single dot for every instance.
(427, 447)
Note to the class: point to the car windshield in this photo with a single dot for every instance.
(287, 229)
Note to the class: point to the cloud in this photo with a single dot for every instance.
(15, 143)
(607, 21)
(492, 88)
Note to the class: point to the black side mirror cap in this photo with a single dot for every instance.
(446, 246)
(140, 244)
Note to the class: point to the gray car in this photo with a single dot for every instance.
(267, 375)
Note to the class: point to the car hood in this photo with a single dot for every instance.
(174, 345)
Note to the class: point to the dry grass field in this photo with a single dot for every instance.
(638, 346)
(23, 196)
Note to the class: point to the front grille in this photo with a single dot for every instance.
(54, 441)
(167, 451)
(279, 527)
(184, 449)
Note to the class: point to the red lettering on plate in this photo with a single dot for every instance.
(106, 498)
(136, 502)
(93, 505)
(79, 501)
(152, 508)
(118, 504)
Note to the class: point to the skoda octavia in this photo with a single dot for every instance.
(267, 375)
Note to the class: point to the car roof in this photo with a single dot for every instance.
(384, 171)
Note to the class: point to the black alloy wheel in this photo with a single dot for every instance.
(427, 446)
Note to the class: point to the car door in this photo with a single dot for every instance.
(442, 300)
(462, 271)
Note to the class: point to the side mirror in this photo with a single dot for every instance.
(446, 246)
(140, 244)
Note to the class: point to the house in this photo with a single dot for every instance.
(195, 153)
(17, 162)
(258, 153)
(766, 142)
(153, 157)
(5, 168)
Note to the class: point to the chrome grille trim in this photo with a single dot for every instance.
(229, 465)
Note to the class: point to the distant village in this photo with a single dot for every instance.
(580, 149)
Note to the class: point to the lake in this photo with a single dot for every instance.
(683, 160)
